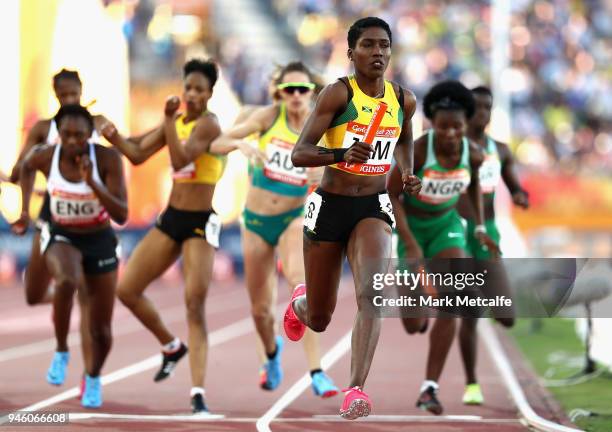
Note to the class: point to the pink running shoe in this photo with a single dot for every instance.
(356, 404)
(293, 326)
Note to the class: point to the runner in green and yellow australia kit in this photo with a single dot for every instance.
(273, 214)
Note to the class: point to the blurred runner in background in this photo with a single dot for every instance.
(273, 215)
(498, 162)
(68, 89)
(86, 189)
(189, 227)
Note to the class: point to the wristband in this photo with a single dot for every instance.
(339, 154)
(480, 229)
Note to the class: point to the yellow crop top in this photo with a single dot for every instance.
(207, 168)
(351, 125)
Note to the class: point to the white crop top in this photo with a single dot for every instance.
(74, 204)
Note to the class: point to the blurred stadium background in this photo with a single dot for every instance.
(556, 78)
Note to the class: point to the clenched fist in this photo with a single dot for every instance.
(359, 152)
(172, 105)
(412, 184)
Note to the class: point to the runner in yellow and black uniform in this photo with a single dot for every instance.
(188, 227)
(350, 215)
(272, 218)
(428, 224)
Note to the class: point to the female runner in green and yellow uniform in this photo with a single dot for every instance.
(272, 218)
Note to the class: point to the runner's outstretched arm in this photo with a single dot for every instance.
(36, 135)
(234, 138)
(38, 158)
(138, 150)
(519, 195)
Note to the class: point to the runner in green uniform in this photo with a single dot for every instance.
(498, 162)
(428, 224)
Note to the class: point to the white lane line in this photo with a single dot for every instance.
(146, 417)
(332, 356)
(411, 418)
(485, 329)
(217, 337)
(75, 417)
(170, 315)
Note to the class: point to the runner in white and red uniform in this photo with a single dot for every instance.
(86, 188)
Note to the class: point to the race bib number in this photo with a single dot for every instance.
(387, 207)
(279, 166)
(76, 209)
(383, 147)
(311, 210)
(439, 187)
(212, 230)
(489, 173)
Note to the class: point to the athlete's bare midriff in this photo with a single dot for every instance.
(267, 203)
(341, 183)
(192, 196)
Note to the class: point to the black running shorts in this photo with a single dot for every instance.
(332, 217)
(99, 249)
(181, 225)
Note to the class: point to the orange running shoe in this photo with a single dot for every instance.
(293, 326)
(356, 404)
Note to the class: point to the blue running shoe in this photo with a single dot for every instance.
(57, 371)
(323, 386)
(272, 373)
(92, 396)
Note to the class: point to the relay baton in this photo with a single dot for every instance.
(372, 128)
(375, 121)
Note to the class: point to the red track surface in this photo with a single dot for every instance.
(232, 374)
